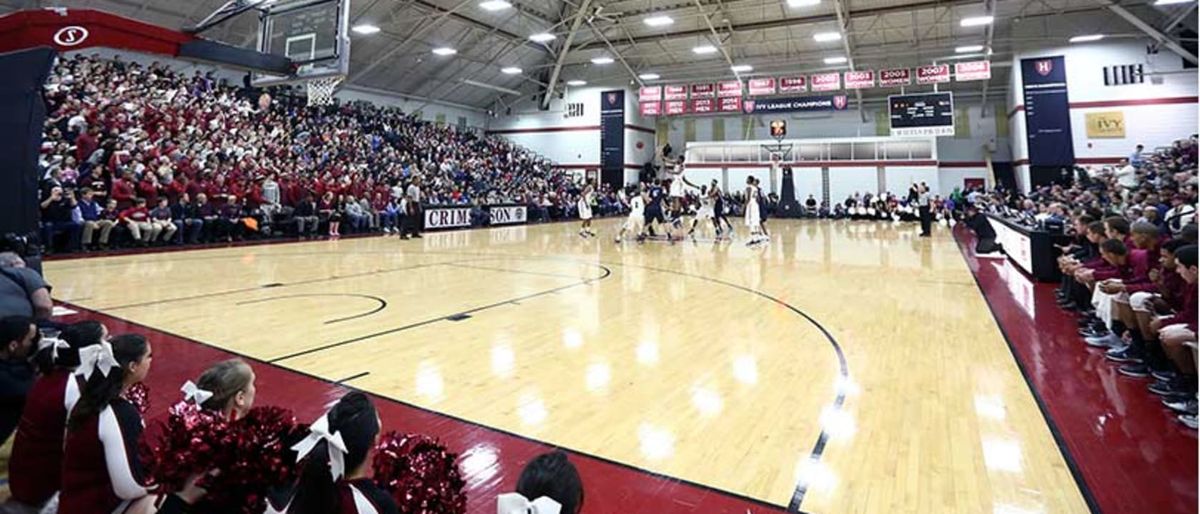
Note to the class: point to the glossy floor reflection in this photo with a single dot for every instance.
(698, 361)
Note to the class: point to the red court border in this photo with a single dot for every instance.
(491, 459)
(1126, 451)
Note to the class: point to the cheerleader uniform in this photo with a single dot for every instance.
(37, 453)
(102, 473)
(359, 496)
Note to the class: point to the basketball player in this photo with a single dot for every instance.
(762, 208)
(585, 212)
(636, 222)
(719, 211)
(654, 208)
(752, 216)
(708, 202)
(676, 188)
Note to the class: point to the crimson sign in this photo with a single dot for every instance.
(897, 77)
(826, 81)
(933, 74)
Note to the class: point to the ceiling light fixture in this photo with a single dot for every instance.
(445, 50)
(825, 37)
(968, 49)
(658, 21)
(602, 60)
(741, 68)
(1086, 39)
(365, 29)
(576, 83)
(542, 37)
(495, 5)
(704, 50)
(835, 60)
(803, 3)
(510, 70)
(649, 76)
(975, 21)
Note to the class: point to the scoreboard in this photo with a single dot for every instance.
(924, 114)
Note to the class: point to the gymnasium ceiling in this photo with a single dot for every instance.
(770, 35)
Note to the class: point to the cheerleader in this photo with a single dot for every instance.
(37, 454)
(102, 471)
(752, 218)
(585, 212)
(226, 388)
(335, 464)
(549, 483)
(636, 222)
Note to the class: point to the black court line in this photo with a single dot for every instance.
(318, 378)
(429, 321)
(843, 370)
(276, 284)
(352, 377)
(507, 270)
(1076, 473)
(382, 303)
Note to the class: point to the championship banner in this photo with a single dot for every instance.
(974, 70)
(650, 108)
(674, 107)
(447, 217)
(860, 79)
(897, 77)
(729, 89)
(826, 81)
(795, 104)
(650, 94)
(731, 104)
(933, 74)
(793, 85)
(675, 92)
(703, 105)
(702, 90)
(1047, 112)
(508, 214)
(759, 87)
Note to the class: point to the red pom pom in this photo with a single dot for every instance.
(139, 395)
(420, 474)
(251, 455)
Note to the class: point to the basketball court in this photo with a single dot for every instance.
(791, 375)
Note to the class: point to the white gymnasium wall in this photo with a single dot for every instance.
(949, 178)
(897, 179)
(575, 141)
(1146, 122)
(844, 182)
(807, 182)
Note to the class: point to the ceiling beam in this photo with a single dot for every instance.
(717, 37)
(1154, 33)
(620, 57)
(839, 6)
(786, 22)
(989, 9)
(580, 14)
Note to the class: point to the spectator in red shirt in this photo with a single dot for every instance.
(123, 191)
(137, 220)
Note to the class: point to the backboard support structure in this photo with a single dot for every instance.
(312, 34)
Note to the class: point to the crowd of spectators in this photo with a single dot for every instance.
(145, 155)
(1129, 269)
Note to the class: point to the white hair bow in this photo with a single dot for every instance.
(337, 447)
(193, 392)
(97, 357)
(515, 503)
(53, 343)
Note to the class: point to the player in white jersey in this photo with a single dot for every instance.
(636, 222)
(706, 212)
(753, 216)
(585, 212)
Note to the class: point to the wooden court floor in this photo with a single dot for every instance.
(847, 367)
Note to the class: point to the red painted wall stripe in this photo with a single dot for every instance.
(1079, 160)
(536, 130)
(1123, 103)
(589, 166)
(812, 164)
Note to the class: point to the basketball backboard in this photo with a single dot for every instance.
(313, 34)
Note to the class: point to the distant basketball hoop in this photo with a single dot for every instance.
(321, 90)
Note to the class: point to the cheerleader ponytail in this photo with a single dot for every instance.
(337, 445)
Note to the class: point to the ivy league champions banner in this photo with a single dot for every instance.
(1047, 112)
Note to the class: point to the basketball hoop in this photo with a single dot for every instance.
(320, 90)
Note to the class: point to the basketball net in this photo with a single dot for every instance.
(320, 90)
